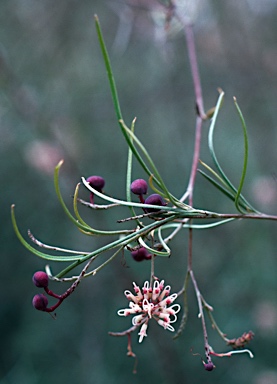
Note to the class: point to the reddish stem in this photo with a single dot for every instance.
(194, 71)
(141, 199)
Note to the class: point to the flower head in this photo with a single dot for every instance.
(151, 302)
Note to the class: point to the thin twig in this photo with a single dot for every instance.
(96, 206)
(53, 248)
(129, 330)
(199, 107)
(201, 316)
(194, 70)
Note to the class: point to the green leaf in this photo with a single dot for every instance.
(89, 230)
(245, 161)
(108, 68)
(83, 228)
(155, 251)
(198, 226)
(211, 144)
(122, 242)
(35, 251)
(154, 173)
(114, 92)
(129, 176)
(238, 198)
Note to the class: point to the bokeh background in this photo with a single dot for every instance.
(55, 104)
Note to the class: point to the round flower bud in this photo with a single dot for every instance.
(97, 182)
(40, 279)
(40, 302)
(141, 254)
(209, 366)
(139, 187)
(154, 199)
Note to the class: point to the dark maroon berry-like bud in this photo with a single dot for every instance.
(40, 279)
(40, 302)
(154, 199)
(148, 257)
(97, 182)
(141, 254)
(209, 366)
(139, 187)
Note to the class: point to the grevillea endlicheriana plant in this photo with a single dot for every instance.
(151, 214)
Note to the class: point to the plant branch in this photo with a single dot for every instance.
(188, 29)
(201, 316)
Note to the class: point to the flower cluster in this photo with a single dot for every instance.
(151, 302)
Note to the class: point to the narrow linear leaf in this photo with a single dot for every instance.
(118, 109)
(105, 263)
(211, 144)
(115, 94)
(154, 251)
(90, 230)
(129, 175)
(213, 155)
(245, 162)
(199, 226)
(225, 191)
(82, 227)
(43, 255)
(155, 173)
(108, 69)
(213, 173)
(120, 242)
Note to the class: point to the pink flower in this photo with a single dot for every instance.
(151, 302)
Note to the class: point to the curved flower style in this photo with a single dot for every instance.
(151, 302)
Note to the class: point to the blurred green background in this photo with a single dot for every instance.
(55, 103)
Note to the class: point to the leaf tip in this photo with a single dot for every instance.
(60, 163)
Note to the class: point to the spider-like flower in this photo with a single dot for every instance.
(151, 303)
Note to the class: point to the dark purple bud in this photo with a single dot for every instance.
(154, 199)
(40, 302)
(209, 366)
(97, 182)
(139, 187)
(40, 279)
(141, 254)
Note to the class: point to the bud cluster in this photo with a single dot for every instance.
(141, 254)
(40, 301)
(139, 187)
